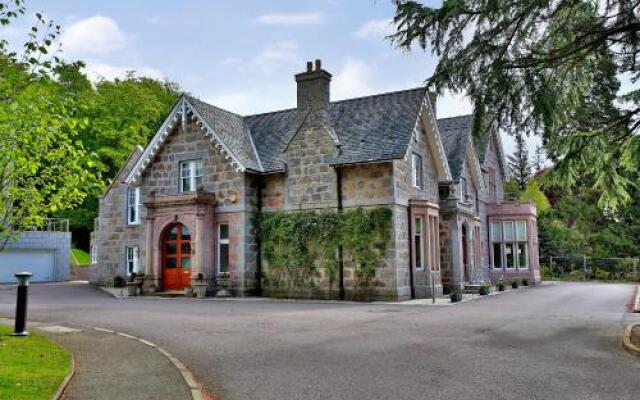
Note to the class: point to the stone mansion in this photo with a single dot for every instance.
(184, 207)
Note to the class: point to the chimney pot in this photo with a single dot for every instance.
(318, 64)
(309, 66)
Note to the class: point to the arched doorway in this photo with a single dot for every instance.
(176, 257)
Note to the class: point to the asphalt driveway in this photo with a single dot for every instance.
(557, 341)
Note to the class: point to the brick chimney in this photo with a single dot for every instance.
(313, 87)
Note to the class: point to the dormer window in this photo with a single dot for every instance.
(417, 171)
(190, 175)
(133, 205)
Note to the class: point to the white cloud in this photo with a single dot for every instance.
(375, 29)
(278, 54)
(93, 35)
(352, 80)
(291, 19)
(98, 71)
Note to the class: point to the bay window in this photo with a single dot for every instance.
(190, 175)
(418, 242)
(509, 244)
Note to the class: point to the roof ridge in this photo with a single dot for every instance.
(381, 94)
(456, 116)
(342, 101)
(189, 97)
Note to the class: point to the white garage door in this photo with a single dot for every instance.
(39, 262)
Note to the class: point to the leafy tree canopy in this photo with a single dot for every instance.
(544, 67)
(44, 167)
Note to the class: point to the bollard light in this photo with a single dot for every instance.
(21, 304)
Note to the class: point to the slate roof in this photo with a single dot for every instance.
(455, 133)
(231, 129)
(371, 128)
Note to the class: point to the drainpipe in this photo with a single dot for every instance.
(258, 246)
(340, 248)
(413, 289)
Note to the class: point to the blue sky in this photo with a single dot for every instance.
(241, 55)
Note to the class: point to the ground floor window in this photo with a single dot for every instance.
(434, 242)
(94, 254)
(223, 248)
(509, 244)
(132, 260)
(418, 242)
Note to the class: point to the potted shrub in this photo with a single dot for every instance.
(484, 290)
(525, 282)
(500, 286)
(223, 282)
(200, 286)
(515, 283)
(132, 285)
(455, 294)
(118, 281)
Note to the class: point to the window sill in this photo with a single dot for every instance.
(132, 224)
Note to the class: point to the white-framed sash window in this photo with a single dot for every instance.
(190, 175)
(418, 242)
(416, 165)
(223, 248)
(133, 205)
(509, 244)
(133, 256)
(94, 254)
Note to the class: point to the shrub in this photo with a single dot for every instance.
(455, 294)
(484, 290)
(501, 286)
(515, 283)
(525, 282)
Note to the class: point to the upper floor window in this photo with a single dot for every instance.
(132, 259)
(94, 254)
(190, 175)
(133, 205)
(464, 189)
(417, 170)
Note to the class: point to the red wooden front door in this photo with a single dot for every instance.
(176, 257)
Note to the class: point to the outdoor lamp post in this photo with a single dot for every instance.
(21, 304)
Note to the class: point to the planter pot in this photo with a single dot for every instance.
(455, 297)
(200, 289)
(223, 285)
(132, 288)
(500, 288)
(484, 290)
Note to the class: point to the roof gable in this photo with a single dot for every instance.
(225, 130)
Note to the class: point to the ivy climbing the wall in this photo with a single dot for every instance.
(297, 245)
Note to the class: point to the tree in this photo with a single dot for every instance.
(543, 67)
(519, 164)
(123, 113)
(43, 166)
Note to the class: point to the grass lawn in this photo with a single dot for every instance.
(80, 258)
(31, 367)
